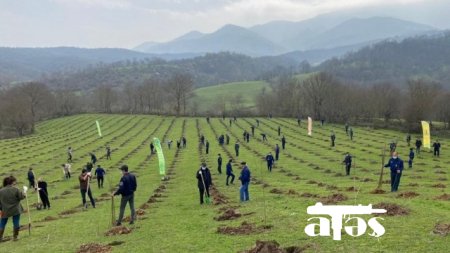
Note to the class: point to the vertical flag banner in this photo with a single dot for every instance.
(309, 126)
(98, 128)
(162, 162)
(426, 134)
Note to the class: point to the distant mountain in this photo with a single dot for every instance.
(229, 38)
(277, 37)
(396, 61)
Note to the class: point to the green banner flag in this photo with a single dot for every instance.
(98, 128)
(162, 162)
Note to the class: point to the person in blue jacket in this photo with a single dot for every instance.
(245, 180)
(270, 160)
(277, 152)
(411, 157)
(230, 172)
(396, 166)
(127, 187)
(204, 181)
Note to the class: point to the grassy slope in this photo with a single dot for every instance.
(207, 97)
(178, 223)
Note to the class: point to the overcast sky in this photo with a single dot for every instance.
(127, 23)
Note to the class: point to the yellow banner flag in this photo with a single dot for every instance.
(309, 126)
(426, 134)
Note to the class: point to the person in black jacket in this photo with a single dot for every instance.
(127, 187)
(31, 178)
(204, 181)
(43, 193)
(219, 163)
(230, 171)
(348, 163)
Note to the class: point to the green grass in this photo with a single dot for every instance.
(214, 96)
(177, 223)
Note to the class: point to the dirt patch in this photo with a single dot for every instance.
(274, 247)
(68, 212)
(292, 192)
(392, 209)
(50, 218)
(229, 214)
(116, 243)
(378, 191)
(290, 174)
(311, 182)
(328, 171)
(104, 195)
(439, 186)
(442, 229)
(407, 195)
(94, 248)
(351, 189)
(276, 191)
(444, 196)
(297, 178)
(309, 195)
(244, 229)
(66, 193)
(367, 180)
(338, 174)
(265, 185)
(442, 179)
(144, 206)
(332, 187)
(333, 199)
(413, 184)
(440, 172)
(120, 230)
(140, 212)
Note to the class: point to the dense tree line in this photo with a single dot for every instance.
(322, 96)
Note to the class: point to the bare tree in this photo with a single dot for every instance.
(104, 98)
(180, 87)
(36, 95)
(385, 100)
(316, 90)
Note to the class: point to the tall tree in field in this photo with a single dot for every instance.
(180, 87)
(385, 100)
(104, 97)
(37, 96)
(316, 90)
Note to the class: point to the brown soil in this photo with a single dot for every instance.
(444, 196)
(292, 192)
(244, 229)
(50, 218)
(115, 243)
(351, 189)
(333, 199)
(442, 229)
(68, 212)
(297, 178)
(442, 179)
(440, 172)
(309, 195)
(94, 248)
(413, 184)
(332, 187)
(120, 230)
(276, 191)
(66, 193)
(392, 209)
(144, 206)
(140, 212)
(378, 191)
(274, 247)
(104, 195)
(367, 180)
(408, 195)
(229, 214)
(311, 182)
(338, 174)
(265, 185)
(439, 186)
(320, 184)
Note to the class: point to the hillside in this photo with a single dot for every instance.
(393, 61)
(224, 96)
(169, 212)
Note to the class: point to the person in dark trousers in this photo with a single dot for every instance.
(43, 193)
(108, 153)
(230, 171)
(31, 178)
(392, 146)
(207, 147)
(234, 118)
(277, 152)
(100, 173)
(169, 143)
(178, 144)
(152, 148)
(236, 148)
(348, 163)
(202, 139)
(245, 181)
(89, 167)
(411, 158)
(346, 128)
(84, 179)
(219, 164)
(184, 142)
(93, 158)
(127, 187)
(257, 122)
(247, 137)
(436, 148)
(204, 181)
(418, 145)
(270, 160)
(396, 166)
(264, 138)
(66, 168)
(351, 133)
(253, 130)
(279, 130)
(69, 154)
(322, 122)
(299, 121)
(207, 120)
(408, 139)
(10, 197)
(231, 122)
(221, 140)
(333, 138)
(283, 142)
(244, 134)
(227, 138)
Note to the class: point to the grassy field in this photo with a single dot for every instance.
(171, 219)
(212, 96)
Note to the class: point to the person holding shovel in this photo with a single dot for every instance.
(10, 197)
(127, 187)
(396, 166)
(85, 179)
(204, 181)
(43, 193)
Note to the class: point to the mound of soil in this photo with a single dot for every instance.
(274, 247)
(444, 196)
(442, 229)
(68, 212)
(94, 248)
(367, 180)
(265, 185)
(104, 195)
(276, 191)
(244, 229)
(311, 182)
(49, 218)
(309, 195)
(297, 178)
(120, 230)
(115, 243)
(333, 199)
(351, 189)
(408, 195)
(332, 187)
(392, 209)
(439, 186)
(378, 191)
(229, 214)
(413, 184)
(338, 174)
(291, 192)
(440, 172)
(442, 179)
(66, 193)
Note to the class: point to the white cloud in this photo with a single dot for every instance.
(99, 3)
